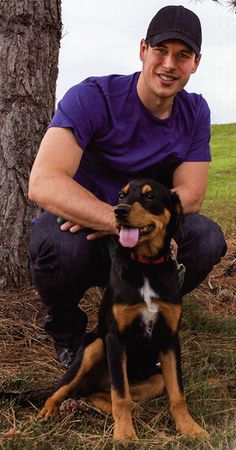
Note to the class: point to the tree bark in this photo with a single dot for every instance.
(30, 32)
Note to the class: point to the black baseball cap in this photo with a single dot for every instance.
(175, 22)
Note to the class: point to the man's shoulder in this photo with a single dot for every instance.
(107, 84)
(192, 100)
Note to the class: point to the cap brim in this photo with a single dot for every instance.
(161, 37)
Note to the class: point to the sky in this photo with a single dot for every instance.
(103, 37)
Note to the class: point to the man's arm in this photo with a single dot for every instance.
(52, 187)
(190, 182)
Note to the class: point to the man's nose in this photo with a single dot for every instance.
(169, 62)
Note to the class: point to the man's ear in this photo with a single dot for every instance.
(176, 214)
(196, 63)
(142, 49)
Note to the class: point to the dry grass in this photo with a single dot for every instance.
(209, 362)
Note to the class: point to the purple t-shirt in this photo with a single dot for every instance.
(122, 140)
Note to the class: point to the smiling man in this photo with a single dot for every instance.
(166, 70)
(106, 132)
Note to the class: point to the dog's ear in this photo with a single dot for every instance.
(176, 213)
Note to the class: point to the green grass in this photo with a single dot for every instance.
(220, 201)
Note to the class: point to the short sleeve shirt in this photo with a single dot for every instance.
(121, 140)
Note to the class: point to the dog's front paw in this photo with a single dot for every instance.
(50, 409)
(189, 427)
(124, 433)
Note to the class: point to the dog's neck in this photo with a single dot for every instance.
(152, 249)
(148, 253)
(147, 260)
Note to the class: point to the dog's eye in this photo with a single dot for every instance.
(149, 195)
(121, 195)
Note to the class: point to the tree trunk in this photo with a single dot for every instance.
(30, 32)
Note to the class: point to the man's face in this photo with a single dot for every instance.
(167, 67)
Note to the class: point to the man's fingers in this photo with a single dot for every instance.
(75, 228)
(100, 234)
(70, 226)
(96, 235)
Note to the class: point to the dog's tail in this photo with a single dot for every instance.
(25, 398)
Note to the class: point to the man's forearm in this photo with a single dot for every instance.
(190, 182)
(64, 197)
(191, 203)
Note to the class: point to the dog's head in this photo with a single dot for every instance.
(147, 216)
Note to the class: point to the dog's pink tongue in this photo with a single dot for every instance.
(129, 237)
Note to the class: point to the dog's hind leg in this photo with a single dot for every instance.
(145, 390)
(102, 401)
(86, 358)
(150, 388)
(121, 400)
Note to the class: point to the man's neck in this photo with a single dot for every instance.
(160, 107)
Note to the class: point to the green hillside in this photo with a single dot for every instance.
(220, 202)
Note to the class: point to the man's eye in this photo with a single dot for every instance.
(161, 50)
(183, 55)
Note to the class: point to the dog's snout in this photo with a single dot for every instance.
(122, 211)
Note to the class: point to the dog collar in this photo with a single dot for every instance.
(146, 260)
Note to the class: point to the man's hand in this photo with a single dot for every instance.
(74, 228)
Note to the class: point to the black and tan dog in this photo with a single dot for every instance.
(138, 319)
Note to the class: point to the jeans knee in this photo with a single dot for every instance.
(202, 241)
(66, 257)
(215, 243)
(43, 255)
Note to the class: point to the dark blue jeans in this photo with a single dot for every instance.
(64, 265)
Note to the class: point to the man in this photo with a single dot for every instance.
(106, 132)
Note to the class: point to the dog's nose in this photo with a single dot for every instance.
(122, 211)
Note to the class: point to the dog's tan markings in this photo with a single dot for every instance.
(140, 217)
(178, 407)
(147, 389)
(171, 313)
(121, 410)
(146, 188)
(149, 244)
(92, 355)
(125, 189)
(101, 400)
(125, 315)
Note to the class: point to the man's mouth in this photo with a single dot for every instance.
(168, 78)
(129, 237)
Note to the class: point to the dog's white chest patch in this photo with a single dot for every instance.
(150, 313)
(149, 295)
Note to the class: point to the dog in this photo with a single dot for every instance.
(134, 353)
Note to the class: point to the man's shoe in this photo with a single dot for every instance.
(66, 354)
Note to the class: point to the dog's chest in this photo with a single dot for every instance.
(149, 314)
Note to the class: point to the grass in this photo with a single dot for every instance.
(220, 201)
(208, 347)
(209, 365)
